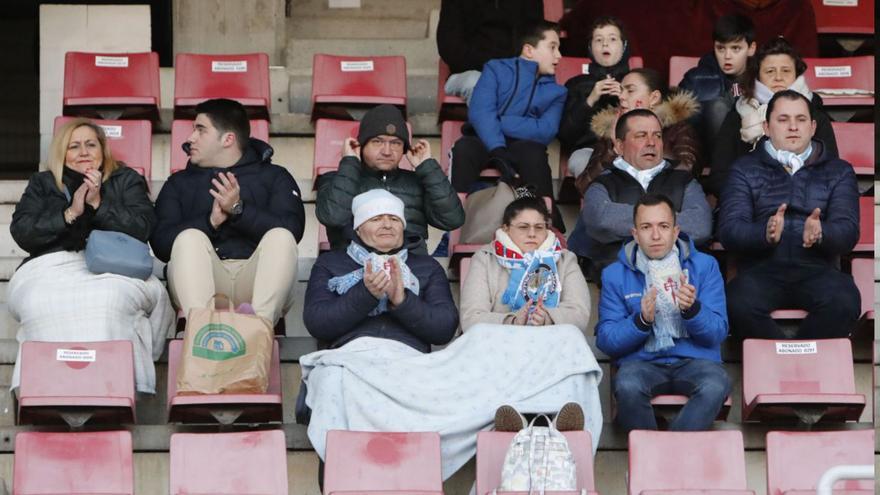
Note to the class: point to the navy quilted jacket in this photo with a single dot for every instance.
(758, 185)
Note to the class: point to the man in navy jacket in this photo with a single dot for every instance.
(230, 221)
(662, 319)
(789, 211)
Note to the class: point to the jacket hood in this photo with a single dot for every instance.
(627, 253)
(678, 106)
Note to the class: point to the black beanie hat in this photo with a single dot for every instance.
(383, 120)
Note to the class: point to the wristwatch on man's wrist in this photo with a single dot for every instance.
(236, 208)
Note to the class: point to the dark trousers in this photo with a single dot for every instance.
(829, 296)
(704, 382)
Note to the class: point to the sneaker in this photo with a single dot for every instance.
(508, 419)
(569, 418)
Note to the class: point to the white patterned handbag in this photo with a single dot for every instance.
(539, 459)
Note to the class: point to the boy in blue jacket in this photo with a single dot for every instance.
(662, 318)
(514, 112)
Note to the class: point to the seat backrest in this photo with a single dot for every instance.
(863, 275)
(111, 78)
(360, 460)
(130, 141)
(678, 65)
(569, 67)
(492, 448)
(840, 73)
(855, 142)
(866, 224)
(88, 370)
(668, 460)
(245, 463)
(796, 460)
(242, 77)
(73, 463)
(450, 132)
(182, 128)
(358, 79)
(553, 10)
(853, 17)
(797, 366)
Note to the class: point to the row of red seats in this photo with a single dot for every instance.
(409, 463)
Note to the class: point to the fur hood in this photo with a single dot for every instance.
(678, 106)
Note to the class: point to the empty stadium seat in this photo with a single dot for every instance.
(448, 107)
(492, 447)
(854, 17)
(181, 130)
(360, 461)
(785, 379)
(73, 463)
(340, 82)
(112, 85)
(840, 76)
(246, 463)
(223, 408)
(866, 225)
(130, 141)
(329, 136)
(686, 462)
(678, 66)
(863, 275)
(855, 142)
(76, 382)
(796, 460)
(241, 77)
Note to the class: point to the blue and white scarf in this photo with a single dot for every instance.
(791, 161)
(663, 274)
(533, 275)
(355, 251)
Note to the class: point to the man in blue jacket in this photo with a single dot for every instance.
(789, 210)
(514, 111)
(230, 221)
(662, 319)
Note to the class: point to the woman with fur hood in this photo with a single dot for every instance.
(644, 88)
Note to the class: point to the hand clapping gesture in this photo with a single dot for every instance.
(775, 225)
(687, 294)
(93, 188)
(813, 229)
(649, 301)
(607, 86)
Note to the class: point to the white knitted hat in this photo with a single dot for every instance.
(375, 202)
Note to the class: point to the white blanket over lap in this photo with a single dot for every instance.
(373, 384)
(55, 298)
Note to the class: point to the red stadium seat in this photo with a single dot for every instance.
(836, 74)
(866, 225)
(863, 275)
(636, 63)
(76, 382)
(678, 66)
(73, 463)
(492, 447)
(796, 460)
(340, 81)
(450, 131)
(448, 107)
(553, 10)
(780, 378)
(855, 142)
(181, 130)
(246, 463)
(329, 136)
(569, 67)
(854, 17)
(130, 141)
(360, 461)
(323, 240)
(223, 408)
(112, 85)
(687, 462)
(240, 77)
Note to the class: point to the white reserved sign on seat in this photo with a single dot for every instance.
(77, 355)
(356, 65)
(833, 71)
(840, 3)
(112, 131)
(585, 68)
(104, 61)
(229, 66)
(796, 348)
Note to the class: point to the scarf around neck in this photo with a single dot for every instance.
(534, 276)
(664, 275)
(790, 161)
(362, 256)
(643, 177)
(753, 111)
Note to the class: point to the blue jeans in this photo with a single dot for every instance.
(637, 382)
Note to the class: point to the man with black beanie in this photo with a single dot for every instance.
(372, 161)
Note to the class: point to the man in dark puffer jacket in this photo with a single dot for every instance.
(372, 162)
(791, 211)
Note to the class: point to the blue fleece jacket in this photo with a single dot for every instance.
(513, 101)
(620, 332)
